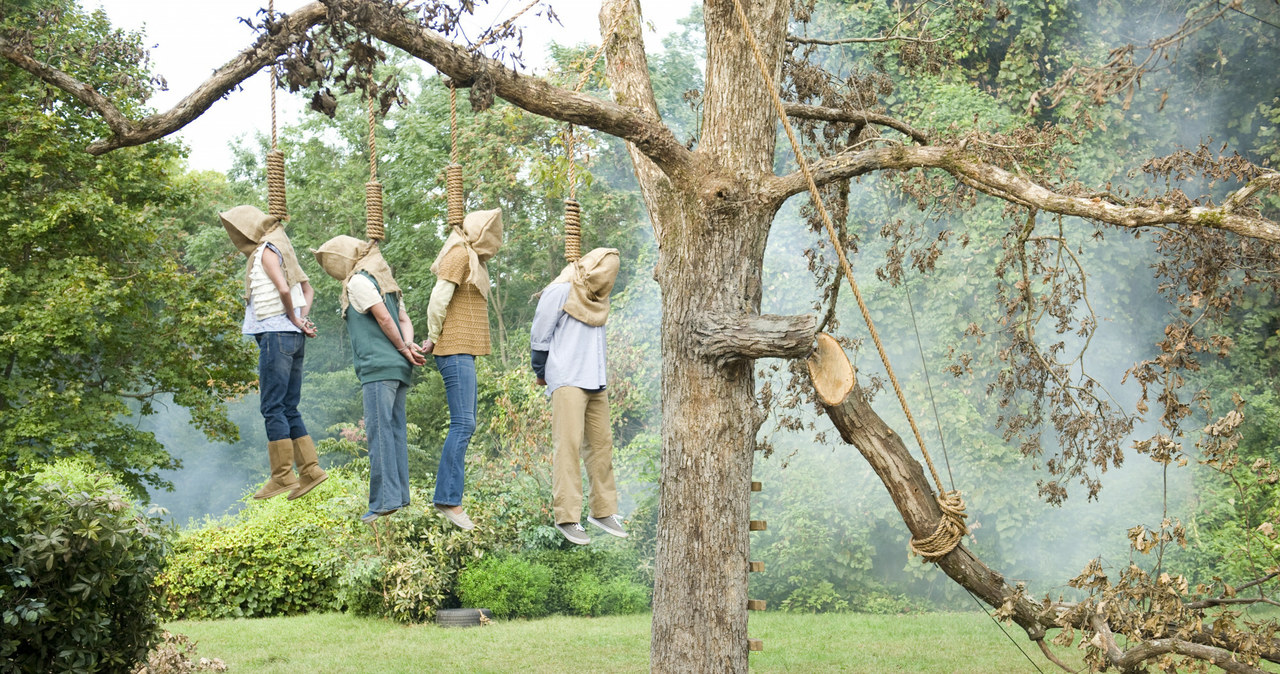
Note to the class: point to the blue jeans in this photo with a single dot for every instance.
(384, 423)
(280, 383)
(459, 373)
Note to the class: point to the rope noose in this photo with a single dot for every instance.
(951, 526)
(277, 205)
(455, 198)
(573, 209)
(373, 189)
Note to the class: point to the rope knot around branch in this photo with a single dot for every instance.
(951, 528)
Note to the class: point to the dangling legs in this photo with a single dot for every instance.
(459, 372)
(275, 361)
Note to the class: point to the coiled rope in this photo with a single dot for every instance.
(373, 189)
(573, 209)
(455, 196)
(951, 527)
(277, 205)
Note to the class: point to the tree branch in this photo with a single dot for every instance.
(126, 132)
(732, 338)
(627, 67)
(996, 181)
(853, 117)
(529, 93)
(861, 40)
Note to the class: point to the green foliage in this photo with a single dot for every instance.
(819, 597)
(593, 579)
(275, 557)
(97, 308)
(79, 559)
(589, 595)
(510, 586)
(408, 568)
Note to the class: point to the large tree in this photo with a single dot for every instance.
(712, 202)
(101, 321)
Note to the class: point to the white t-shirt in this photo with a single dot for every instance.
(362, 293)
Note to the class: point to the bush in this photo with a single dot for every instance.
(588, 595)
(275, 557)
(79, 560)
(412, 569)
(509, 586)
(605, 565)
(820, 597)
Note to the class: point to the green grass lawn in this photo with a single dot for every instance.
(936, 642)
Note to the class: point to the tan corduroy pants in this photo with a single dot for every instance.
(576, 414)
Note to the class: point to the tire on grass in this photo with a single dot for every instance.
(463, 617)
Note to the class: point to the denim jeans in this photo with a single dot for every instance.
(459, 373)
(280, 383)
(384, 423)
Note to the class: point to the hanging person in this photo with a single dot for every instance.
(277, 297)
(384, 354)
(568, 344)
(457, 332)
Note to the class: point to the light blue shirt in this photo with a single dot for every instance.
(575, 350)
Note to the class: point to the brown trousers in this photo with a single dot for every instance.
(575, 414)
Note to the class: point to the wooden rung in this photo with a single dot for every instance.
(756, 486)
(757, 525)
(755, 604)
(755, 645)
(755, 567)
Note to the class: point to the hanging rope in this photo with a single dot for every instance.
(276, 202)
(455, 198)
(373, 189)
(951, 527)
(573, 209)
(455, 195)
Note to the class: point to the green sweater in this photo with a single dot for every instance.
(376, 359)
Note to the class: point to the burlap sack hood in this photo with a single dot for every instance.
(249, 228)
(481, 235)
(591, 280)
(342, 257)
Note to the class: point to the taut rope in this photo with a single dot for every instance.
(951, 527)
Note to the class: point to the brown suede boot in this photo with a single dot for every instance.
(310, 473)
(282, 479)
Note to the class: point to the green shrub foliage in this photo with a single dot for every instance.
(79, 560)
(275, 557)
(589, 595)
(510, 586)
(591, 580)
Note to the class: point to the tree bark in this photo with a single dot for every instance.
(905, 480)
(713, 234)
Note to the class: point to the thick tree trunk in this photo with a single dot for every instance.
(712, 235)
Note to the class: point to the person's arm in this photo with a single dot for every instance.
(274, 267)
(545, 319)
(539, 362)
(392, 332)
(309, 294)
(406, 326)
(437, 309)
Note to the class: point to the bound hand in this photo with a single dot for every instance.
(306, 326)
(412, 355)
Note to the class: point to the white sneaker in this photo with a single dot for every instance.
(459, 518)
(574, 532)
(611, 525)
